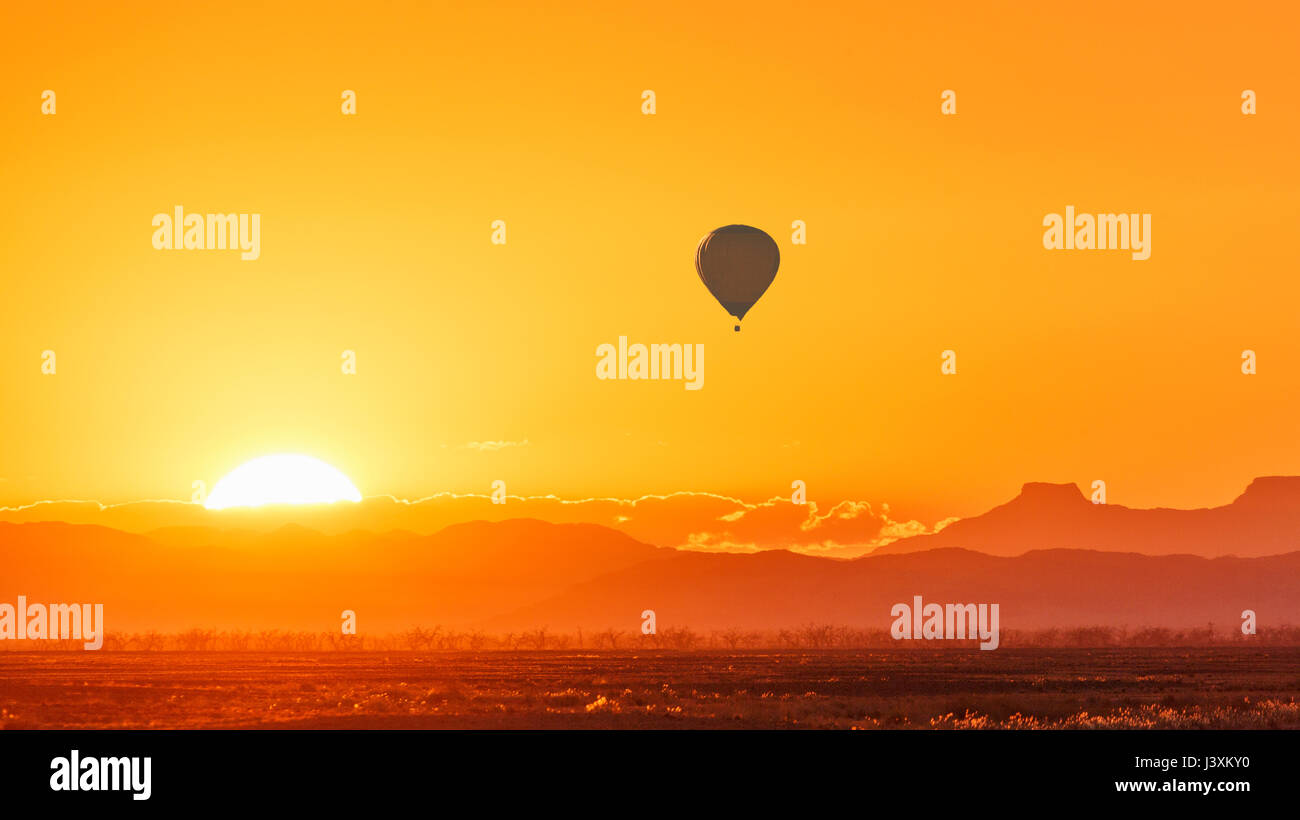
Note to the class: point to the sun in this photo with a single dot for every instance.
(281, 479)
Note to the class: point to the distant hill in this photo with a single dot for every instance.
(296, 578)
(524, 573)
(1264, 520)
(1037, 590)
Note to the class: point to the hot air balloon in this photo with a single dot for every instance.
(737, 263)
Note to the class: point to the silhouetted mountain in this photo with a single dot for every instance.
(296, 578)
(1264, 520)
(521, 574)
(1041, 589)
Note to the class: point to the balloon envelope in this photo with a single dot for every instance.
(737, 263)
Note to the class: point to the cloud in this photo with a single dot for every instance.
(845, 529)
(684, 520)
(492, 446)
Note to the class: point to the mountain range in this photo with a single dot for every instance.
(1264, 520)
(1049, 558)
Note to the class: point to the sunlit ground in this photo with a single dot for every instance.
(1027, 688)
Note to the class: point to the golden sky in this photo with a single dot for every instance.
(924, 234)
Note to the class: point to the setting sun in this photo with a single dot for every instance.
(282, 479)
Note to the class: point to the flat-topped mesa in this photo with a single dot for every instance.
(1043, 492)
(1272, 491)
(1264, 520)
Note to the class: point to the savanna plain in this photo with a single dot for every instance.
(951, 688)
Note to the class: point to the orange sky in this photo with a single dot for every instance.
(924, 234)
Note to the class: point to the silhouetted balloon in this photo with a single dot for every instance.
(737, 263)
